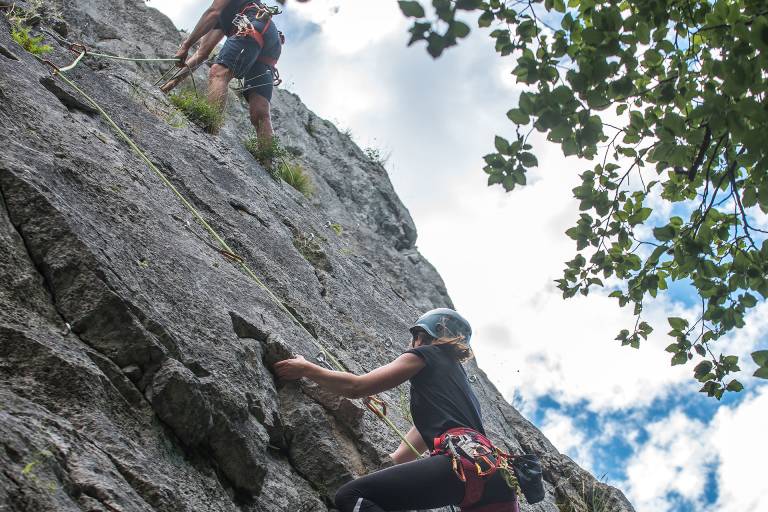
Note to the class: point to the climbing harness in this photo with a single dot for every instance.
(224, 248)
(243, 27)
(474, 459)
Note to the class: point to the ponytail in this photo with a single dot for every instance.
(458, 349)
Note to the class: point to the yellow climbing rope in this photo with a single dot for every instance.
(371, 403)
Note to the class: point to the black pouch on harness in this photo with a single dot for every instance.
(527, 470)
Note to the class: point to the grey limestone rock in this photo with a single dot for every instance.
(135, 359)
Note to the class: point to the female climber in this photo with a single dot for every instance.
(447, 421)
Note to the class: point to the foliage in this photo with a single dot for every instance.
(294, 174)
(198, 110)
(23, 19)
(337, 228)
(33, 44)
(669, 101)
(376, 155)
(595, 495)
(266, 154)
(277, 160)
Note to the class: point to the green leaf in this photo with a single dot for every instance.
(485, 19)
(734, 385)
(528, 159)
(664, 234)
(679, 358)
(592, 36)
(761, 373)
(748, 300)
(517, 116)
(677, 323)
(460, 29)
(412, 9)
(760, 357)
(703, 367)
(502, 146)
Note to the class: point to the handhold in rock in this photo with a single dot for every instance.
(178, 401)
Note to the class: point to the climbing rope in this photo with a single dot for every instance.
(372, 403)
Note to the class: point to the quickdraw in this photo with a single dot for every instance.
(373, 403)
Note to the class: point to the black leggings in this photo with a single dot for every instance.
(422, 484)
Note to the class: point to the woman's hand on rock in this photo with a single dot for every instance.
(292, 369)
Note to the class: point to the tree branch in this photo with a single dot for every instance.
(702, 152)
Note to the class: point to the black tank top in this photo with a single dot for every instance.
(232, 9)
(441, 397)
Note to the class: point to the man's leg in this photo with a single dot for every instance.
(218, 85)
(261, 118)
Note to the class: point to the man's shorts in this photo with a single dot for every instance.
(240, 54)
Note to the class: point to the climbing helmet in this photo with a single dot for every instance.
(443, 323)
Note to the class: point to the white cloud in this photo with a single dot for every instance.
(561, 431)
(350, 27)
(184, 13)
(738, 435)
(681, 452)
(675, 459)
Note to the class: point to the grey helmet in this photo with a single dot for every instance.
(443, 323)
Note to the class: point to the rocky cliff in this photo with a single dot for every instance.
(134, 357)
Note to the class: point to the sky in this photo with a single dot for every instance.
(626, 415)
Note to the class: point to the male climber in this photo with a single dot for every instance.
(250, 53)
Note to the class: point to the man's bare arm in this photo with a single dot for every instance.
(207, 22)
(207, 45)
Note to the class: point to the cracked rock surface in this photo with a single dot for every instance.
(135, 359)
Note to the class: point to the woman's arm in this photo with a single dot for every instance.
(350, 385)
(404, 452)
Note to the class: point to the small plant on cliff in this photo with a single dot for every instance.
(33, 45)
(294, 174)
(337, 228)
(594, 495)
(21, 21)
(266, 154)
(376, 155)
(198, 110)
(276, 159)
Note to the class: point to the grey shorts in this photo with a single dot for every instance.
(240, 55)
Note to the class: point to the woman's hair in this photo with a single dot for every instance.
(456, 345)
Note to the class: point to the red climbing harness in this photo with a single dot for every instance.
(474, 460)
(244, 28)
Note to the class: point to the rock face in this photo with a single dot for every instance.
(135, 359)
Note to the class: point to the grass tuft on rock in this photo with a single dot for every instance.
(294, 174)
(277, 160)
(266, 154)
(198, 110)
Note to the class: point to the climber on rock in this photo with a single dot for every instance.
(250, 53)
(447, 420)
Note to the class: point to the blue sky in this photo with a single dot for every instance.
(622, 413)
